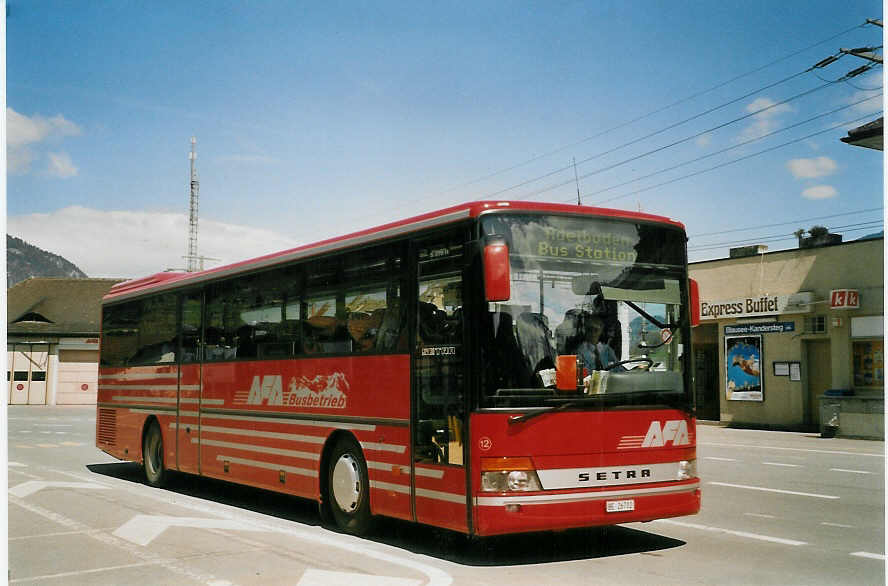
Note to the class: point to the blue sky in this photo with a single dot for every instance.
(316, 119)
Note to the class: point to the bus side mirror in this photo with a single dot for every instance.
(497, 275)
(694, 290)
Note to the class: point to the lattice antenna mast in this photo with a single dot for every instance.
(192, 260)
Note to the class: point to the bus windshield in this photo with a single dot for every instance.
(601, 294)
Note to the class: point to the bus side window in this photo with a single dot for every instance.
(191, 326)
(157, 338)
(120, 332)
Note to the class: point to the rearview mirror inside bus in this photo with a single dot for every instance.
(497, 276)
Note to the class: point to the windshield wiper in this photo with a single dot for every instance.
(524, 417)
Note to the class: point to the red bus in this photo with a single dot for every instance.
(490, 368)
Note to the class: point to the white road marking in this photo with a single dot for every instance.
(849, 471)
(30, 487)
(872, 556)
(147, 557)
(777, 490)
(24, 474)
(81, 572)
(16, 465)
(828, 524)
(143, 529)
(782, 464)
(53, 534)
(352, 545)
(748, 535)
(760, 515)
(720, 459)
(809, 450)
(313, 577)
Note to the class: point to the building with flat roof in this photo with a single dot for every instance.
(52, 338)
(793, 339)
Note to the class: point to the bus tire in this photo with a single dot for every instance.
(152, 456)
(348, 488)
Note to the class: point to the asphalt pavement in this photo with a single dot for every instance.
(778, 508)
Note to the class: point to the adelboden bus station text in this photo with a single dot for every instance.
(585, 244)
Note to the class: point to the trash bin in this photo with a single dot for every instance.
(829, 416)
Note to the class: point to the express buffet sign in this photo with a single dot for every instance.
(749, 307)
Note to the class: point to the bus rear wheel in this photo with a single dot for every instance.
(348, 488)
(152, 456)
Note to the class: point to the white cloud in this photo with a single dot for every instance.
(820, 192)
(811, 168)
(60, 165)
(872, 97)
(24, 133)
(766, 119)
(704, 140)
(135, 243)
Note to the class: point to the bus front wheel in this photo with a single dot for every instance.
(348, 488)
(152, 456)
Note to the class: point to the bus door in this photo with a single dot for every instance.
(188, 413)
(439, 413)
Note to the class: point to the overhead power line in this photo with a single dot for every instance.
(795, 222)
(780, 237)
(655, 133)
(657, 110)
(731, 162)
(732, 147)
(680, 141)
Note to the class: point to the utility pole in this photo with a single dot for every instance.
(577, 179)
(864, 53)
(868, 53)
(193, 262)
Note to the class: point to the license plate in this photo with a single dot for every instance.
(620, 506)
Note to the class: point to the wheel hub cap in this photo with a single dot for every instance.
(346, 483)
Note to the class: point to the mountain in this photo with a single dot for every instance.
(24, 261)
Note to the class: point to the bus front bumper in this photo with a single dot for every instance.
(510, 513)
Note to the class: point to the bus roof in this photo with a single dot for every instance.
(173, 280)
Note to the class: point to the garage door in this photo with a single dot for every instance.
(78, 377)
(28, 365)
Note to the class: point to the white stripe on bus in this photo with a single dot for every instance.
(139, 376)
(291, 421)
(429, 472)
(150, 399)
(253, 448)
(402, 488)
(311, 439)
(380, 447)
(387, 467)
(267, 465)
(547, 499)
(441, 496)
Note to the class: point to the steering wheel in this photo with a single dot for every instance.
(639, 359)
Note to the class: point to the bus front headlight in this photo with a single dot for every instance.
(687, 469)
(508, 475)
